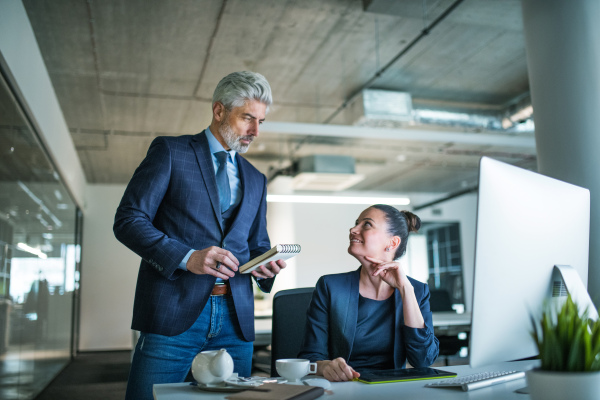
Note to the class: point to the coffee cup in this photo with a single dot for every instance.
(293, 369)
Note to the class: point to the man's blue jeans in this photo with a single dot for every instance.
(167, 359)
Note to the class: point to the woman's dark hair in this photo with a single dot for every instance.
(400, 223)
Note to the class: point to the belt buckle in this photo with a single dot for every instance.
(222, 286)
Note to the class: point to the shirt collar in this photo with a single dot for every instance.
(215, 146)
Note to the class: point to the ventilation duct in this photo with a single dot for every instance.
(383, 104)
(325, 172)
(391, 109)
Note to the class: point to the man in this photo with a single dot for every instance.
(194, 211)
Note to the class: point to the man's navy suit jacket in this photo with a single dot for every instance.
(171, 206)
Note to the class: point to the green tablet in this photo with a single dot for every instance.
(402, 375)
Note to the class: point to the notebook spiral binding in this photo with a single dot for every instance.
(288, 248)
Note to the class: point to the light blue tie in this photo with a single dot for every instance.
(223, 181)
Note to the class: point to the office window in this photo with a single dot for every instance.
(433, 256)
(39, 258)
(445, 260)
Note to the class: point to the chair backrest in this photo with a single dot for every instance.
(289, 323)
(439, 300)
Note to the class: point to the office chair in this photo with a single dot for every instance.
(289, 323)
(450, 345)
(439, 300)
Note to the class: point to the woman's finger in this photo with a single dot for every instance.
(373, 260)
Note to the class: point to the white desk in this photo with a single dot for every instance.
(448, 318)
(384, 391)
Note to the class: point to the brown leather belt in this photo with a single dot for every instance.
(220, 289)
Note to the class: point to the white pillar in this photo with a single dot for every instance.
(562, 39)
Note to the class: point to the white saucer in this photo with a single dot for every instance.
(219, 387)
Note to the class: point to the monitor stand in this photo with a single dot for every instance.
(565, 279)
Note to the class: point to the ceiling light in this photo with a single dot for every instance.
(32, 250)
(40, 203)
(520, 116)
(284, 198)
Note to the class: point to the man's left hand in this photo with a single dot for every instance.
(269, 270)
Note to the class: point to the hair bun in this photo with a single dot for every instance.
(414, 222)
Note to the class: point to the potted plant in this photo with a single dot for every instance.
(569, 348)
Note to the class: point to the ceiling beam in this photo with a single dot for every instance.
(362, 132)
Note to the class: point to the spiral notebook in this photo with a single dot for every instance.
(278, 252)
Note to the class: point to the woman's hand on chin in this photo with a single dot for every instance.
(336, 370)
(390, 272)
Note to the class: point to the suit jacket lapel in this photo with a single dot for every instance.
(200, 145)
(398, 324)
(351, 311)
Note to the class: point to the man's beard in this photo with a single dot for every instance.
(233, 140)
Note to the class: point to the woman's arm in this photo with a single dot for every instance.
(422, 347)
(413, 317)
(315, 346)
(393, 274)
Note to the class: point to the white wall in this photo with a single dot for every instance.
(108, 275)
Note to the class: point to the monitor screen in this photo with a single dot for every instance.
(526, 224)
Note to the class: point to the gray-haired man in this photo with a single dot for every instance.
(194, 211)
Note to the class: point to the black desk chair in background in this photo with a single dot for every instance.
(289, 323)
(439, 301)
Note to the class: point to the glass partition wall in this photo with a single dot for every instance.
(39, 259)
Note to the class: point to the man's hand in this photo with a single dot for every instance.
(269, 270)
(213, 261)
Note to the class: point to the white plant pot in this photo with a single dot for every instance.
(552, 385)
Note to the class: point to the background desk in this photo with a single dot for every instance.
(444, 323)
(361, 391)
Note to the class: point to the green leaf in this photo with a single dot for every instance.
(566, 339)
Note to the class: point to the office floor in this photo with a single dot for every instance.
(91, 376)
(25, 370)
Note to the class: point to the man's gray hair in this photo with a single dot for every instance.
(238, 87)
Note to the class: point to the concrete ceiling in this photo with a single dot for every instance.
(127, 71)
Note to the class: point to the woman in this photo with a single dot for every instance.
(375, 317)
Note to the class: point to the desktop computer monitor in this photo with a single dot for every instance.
(526, 224)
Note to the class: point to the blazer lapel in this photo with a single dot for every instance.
(398, 323)
(351, 311)
(200, 145)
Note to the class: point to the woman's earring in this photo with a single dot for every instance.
(387, 249)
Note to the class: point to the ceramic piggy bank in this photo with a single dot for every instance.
(212, 367)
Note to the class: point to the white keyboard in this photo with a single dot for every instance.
(478, 381)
